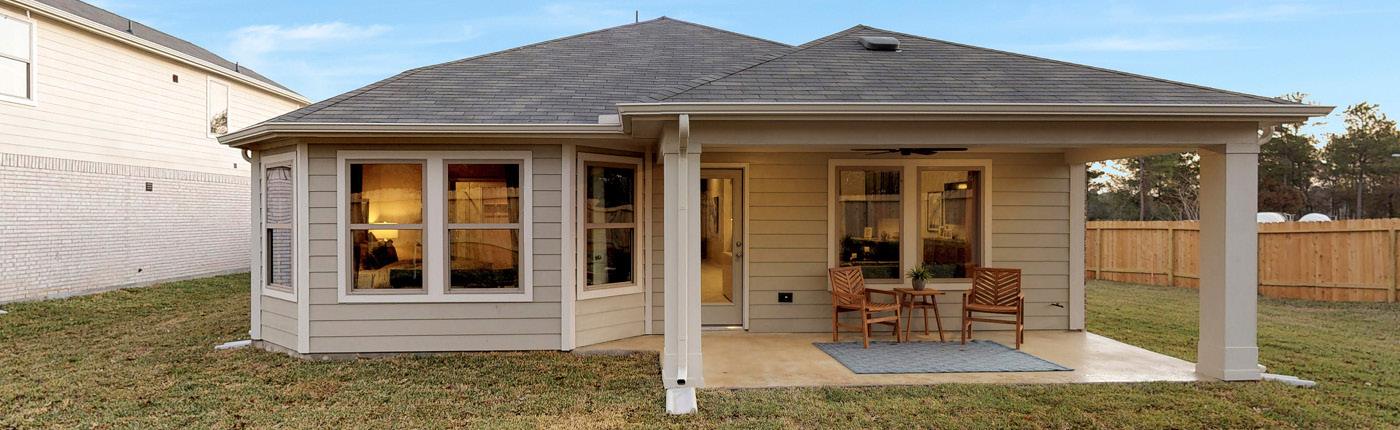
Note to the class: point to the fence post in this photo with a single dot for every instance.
(1098, 253)
(1394, 282)
(1171, 257)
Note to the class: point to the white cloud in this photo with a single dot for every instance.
(1150, 43)
(253, 42)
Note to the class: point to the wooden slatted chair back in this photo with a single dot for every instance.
(850, 283)
(997, 287)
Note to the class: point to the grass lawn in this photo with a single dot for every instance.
(143, 358)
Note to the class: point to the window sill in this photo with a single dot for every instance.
(279, 292)
(515, 296)
(19, 100)
(599, 293)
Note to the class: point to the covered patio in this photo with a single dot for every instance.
(735, 359)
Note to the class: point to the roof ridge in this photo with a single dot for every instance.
(725, 31)
(1084, 66)
(300, 113)
(704, 80)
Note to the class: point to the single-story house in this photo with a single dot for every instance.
(663, 176)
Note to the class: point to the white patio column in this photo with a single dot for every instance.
(681, 364)
(1229, 241)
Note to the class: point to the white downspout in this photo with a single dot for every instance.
(683, 243)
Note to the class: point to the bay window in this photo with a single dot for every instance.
(609, 216)
(279, 206)
(435, 226)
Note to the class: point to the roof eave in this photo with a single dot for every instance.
(64, 16)
(982, 111)
(267, 131)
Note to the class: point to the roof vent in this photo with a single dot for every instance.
(879, 43)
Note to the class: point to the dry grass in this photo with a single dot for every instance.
(143, 358)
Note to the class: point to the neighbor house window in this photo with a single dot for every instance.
(16, 59)
(278, 206)
(950, 211)
(386, 226)
(609, 225)
(868, 220)
(218, 108)
(483, 225)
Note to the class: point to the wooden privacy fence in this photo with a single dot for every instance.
(1339, 260)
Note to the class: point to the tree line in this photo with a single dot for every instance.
(1351, 175)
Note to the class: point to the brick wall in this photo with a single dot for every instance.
(68, 227)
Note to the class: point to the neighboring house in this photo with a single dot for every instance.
(661, 176)
(110, 168)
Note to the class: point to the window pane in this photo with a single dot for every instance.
(14, 38)
(483, 193)
(485, 258)
(611, 194)
(868, 221)
(14, 78)
(949, 211)
(278, 182)
(218, 108)
(386, 193)
(388, 259)
(279, 256)
(609, 257)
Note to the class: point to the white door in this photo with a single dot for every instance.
(722, 247)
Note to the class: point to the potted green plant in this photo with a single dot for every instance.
(919, 274)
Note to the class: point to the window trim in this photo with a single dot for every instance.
(910, 212)
(581, 226)
(32, 61)
(284, 292)
(434, 227)
(449, 226)
(209, 105)
(421, 226)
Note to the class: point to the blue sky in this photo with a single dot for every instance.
(1340, 52)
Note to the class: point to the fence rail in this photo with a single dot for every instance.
(1340, 260)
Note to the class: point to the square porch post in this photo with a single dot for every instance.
(681, 365)
(1229, 240)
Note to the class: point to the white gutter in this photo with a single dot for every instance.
(71, 19)
(980, 109)
(237, 138)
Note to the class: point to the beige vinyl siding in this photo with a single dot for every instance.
(609, 318)
(429, 327)
(279, 322)
(103, 101)
(788, 242)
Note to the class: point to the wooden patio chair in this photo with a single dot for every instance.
(850, 295)
(995, 291)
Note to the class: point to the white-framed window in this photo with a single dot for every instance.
(279, 218)
(610, 245)
(216, 111)
(890, 215)
(435, 226)
(18, 46)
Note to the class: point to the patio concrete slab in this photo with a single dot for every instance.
(757, 360)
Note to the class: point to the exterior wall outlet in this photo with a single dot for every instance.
(784, 297)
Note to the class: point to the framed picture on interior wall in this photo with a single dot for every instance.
(934, 205)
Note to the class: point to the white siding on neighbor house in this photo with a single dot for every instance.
(788, 243)
(73, 167)
(103, 101)
(427, 327)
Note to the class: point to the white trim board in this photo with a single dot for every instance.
(909, 222)
(434, 227)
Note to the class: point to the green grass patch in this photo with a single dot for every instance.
(143, 358)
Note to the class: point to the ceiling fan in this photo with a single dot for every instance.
(908, 151)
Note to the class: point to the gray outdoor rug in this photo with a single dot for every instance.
(935, 357)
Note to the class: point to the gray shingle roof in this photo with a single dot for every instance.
(574, 80)
(571, 80)
(119, 23)
(837, 68)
